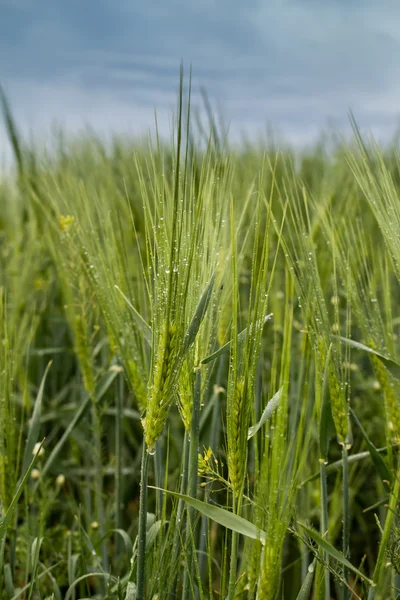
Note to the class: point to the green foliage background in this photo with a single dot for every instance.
(193, 282)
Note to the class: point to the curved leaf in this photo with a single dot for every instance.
(141, 323)
(332, 551)
(267, 413)
(222, 517)
(105, 576)
(305, 590)
(380, 465)
(34, 424)
(6, 521)
(226, 347)
(391, 365)
(199, 314)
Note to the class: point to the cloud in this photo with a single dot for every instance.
(296, 64)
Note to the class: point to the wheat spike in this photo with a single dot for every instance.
(161, 391)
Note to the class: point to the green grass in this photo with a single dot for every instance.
(205, 341)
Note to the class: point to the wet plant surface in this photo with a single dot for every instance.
(199, 371)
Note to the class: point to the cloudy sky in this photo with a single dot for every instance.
(296, 65)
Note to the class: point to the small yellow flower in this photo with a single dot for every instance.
(206, 464)
(66, 223)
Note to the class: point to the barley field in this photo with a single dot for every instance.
(199, 369)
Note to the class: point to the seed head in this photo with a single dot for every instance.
(84, 353)
(339, 406)
(185, 404)
(161, 391)
(392, 408)
(237, 441)
(136, 382)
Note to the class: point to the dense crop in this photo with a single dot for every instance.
(199, 371)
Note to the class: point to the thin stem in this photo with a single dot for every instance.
(118, 462)
(213, 443)
(192, 487)
(158, 472)
(141, 562)
(179, 513)
(99, 481)
(234, 551)
(2, 548)
(324, 524)
(346, 517)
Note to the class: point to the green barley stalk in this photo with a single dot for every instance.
(278, 483)
(163, 376)
(242, 371)
(81, 315)
(192, 479)
(140, 239)
(324, 449)
(300, 248)
(174, 261)
(236, 417)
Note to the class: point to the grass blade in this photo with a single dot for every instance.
(12, 132)
(199, 314)
(222, 517)
(8, 516)
(338, 465)
(380, 465)
(100, 575)
(34, 425)
(267, 413)
(226, 347)
(141, 323)
(390, 364)
(102, 387)
(332, 551)
(305, 590)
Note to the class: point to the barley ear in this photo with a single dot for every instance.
(392, 408)
(340, 413)
(83, 351)
(237, 450)
(161, 391)
(185, 404)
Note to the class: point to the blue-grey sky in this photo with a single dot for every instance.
(297, 65)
